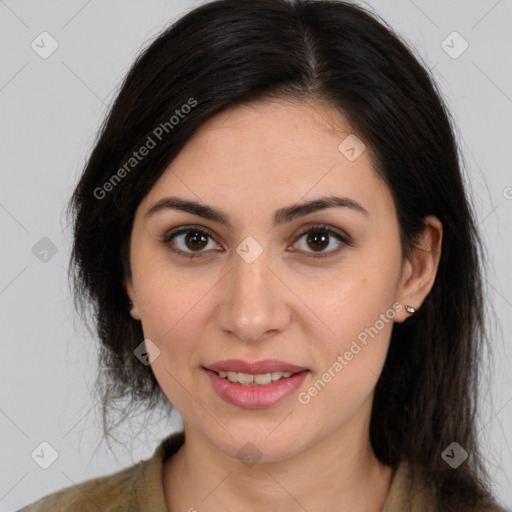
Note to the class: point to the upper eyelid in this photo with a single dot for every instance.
(180, 230)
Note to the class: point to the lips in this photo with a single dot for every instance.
(247, 396)
(259, 367)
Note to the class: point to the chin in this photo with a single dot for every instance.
(253, 445)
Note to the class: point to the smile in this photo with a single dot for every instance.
(254, 380)
(256, 391)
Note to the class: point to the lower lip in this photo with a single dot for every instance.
(255, 397)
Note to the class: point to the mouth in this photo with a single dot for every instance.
(255, 385)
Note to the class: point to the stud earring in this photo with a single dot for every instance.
(130, 305)
(410, 309)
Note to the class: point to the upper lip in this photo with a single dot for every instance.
(264, 366)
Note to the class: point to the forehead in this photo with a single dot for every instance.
(275, 130)
(270, 153)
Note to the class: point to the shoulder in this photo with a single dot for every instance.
(404, 495)
(135, 488)
(109, 493)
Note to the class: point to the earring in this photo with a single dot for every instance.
(410, 309)
(130, 304)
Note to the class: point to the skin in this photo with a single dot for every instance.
(250, 161)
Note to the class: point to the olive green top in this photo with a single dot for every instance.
(139, 488)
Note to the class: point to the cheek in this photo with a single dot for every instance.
(170, 317)
(349, 363)
(353, 322)
(360, 320)
(174, 308)
(165, 294)
(344, 302)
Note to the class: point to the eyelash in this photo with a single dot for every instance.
(320, 229)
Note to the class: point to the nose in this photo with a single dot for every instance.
(253, 300)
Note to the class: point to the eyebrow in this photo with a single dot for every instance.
(281, 216)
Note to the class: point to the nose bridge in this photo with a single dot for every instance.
(253, 303)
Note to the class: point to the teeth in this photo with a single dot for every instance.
(259, 379)
(263, 378)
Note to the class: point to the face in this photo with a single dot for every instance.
(256, 289)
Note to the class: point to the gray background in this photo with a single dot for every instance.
(50, 112)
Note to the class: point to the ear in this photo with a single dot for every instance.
(130, 291)
(420, 268)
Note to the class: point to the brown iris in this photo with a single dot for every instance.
(196, 238)
(315, 237)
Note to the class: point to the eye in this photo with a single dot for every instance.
(320, 237)
(188, 237)
(195, 239)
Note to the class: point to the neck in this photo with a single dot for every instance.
(335, 473)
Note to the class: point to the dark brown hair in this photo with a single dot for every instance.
(230, 52)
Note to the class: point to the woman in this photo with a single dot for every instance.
(277, 197)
